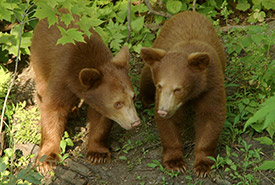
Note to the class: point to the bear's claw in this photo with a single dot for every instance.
(175, 165)
(202, 169)
(99, 158)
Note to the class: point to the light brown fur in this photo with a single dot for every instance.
(185, 68)
(84, 70)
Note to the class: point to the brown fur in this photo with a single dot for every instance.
(84, 70)
(185, 68)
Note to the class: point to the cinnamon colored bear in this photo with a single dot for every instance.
(84, 70)
(185, 69)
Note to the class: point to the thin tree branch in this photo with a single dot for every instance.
(129, 21)
(163, 14)
(194, 5)
(29, 20)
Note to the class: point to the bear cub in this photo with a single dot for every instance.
(87, 70)
(185, 69)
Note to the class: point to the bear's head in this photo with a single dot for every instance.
(178, 77)
(109, 91)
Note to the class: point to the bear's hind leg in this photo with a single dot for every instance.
(100, 127)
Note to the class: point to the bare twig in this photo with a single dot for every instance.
(129, 20)
(163, 14)
(15, 72)
(194, 5)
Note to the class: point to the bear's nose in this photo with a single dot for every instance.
(136, 123)
(162, 113)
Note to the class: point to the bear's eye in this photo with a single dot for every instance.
(177, 91)
(159, 87)
(118, 105)
(134, 97)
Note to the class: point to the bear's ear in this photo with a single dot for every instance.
(199, 60)
(89, 77)
(152, 55)
(122, 58)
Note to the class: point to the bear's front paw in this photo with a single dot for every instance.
(203, 168)
(99, 158)
(47, 163)
(175, 165)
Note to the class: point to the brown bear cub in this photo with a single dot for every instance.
(82, 70)
(185, 70)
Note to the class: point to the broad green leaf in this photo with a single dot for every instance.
(264, 140)
(269, 119)
(137, 24)
(268, 4)
(5, 14)
(47, 12)
(243, 5)
(67, 18)
(271, 129)
(70, 36)
(94, 22)
(173, 6)
(268, 107)
(267, 165)
(256, 2)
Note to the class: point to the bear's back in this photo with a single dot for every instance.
(49, 58)
(187, 26)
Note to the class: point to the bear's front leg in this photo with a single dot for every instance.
(100, 127)
(170, 135)
(210, 118)
(53, 120)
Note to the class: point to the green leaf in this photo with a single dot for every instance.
(256, 2)
(267, 165)
(63, 145)
(243, 5)
(32, 179)
(137, 24)
(173, 6)
(264, 140)
(47, 12)
(158, 19)
(271, 129)
(268, 107)
(5, 14)
(268, 4)
(69, 142)
(123, 158)
(67, 18)
(3, 167)
(152, 165)
(70, 36)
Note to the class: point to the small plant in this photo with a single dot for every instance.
(64, 143)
